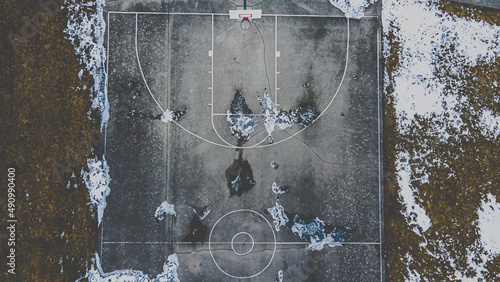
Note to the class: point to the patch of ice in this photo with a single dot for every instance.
(490, 124)
(97, 181)
(164, 209)
(96, 274)
(352, 8)
(489, 220)
(85, 29)
(413, 212)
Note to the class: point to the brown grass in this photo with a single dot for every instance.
(450, 201)
(41, 115)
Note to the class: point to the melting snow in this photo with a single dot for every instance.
(97, 181)
(352, 8)
(318, 233)
(274, 164)
(421, 29)
(164, 209)
(490, 124)
(284, 119)
(278, 212)
(169, 270)
(280, 276)
(242, 120)
(307, 228)
(414, 213)
(169, 116)
(278, 189)
(202, 213)
(489, 222)
(279, 216)
(272, 118)
(425, 35)
(86, 32)
(96, 274)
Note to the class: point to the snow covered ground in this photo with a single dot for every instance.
(352, 8)
(86, 30)
(489, 222)
(428, 41)
(96, 274)
(97, 181)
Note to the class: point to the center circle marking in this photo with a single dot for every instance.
(268, 224)
(251, 239)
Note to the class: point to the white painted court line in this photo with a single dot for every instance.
(169, 224)
(227, 14)
(106, 127)
(140, 67)
(276, 60)
(212, 88)
(258, 145)
(380, 185)
(229, 243)
(226, 114)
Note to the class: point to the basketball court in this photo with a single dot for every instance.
(182, 57)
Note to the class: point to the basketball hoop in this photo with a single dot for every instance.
(245, 24)
(245, 16)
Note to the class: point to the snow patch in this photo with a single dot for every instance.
(489, 220)
(242, 120)
(272, 118)
(164, 209)
(279, 216)
(307, 228)
(97, 181)
(423, 31)
(278, 189)
(352, 8)
(169, 273)
(96, 274)
(169, 116)
(274, 165)
(86, 32)
(278, 212)
(318, 233)
(280, 276)
(413, 212)
(490, 124)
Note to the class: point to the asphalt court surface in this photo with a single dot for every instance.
(196, 62)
